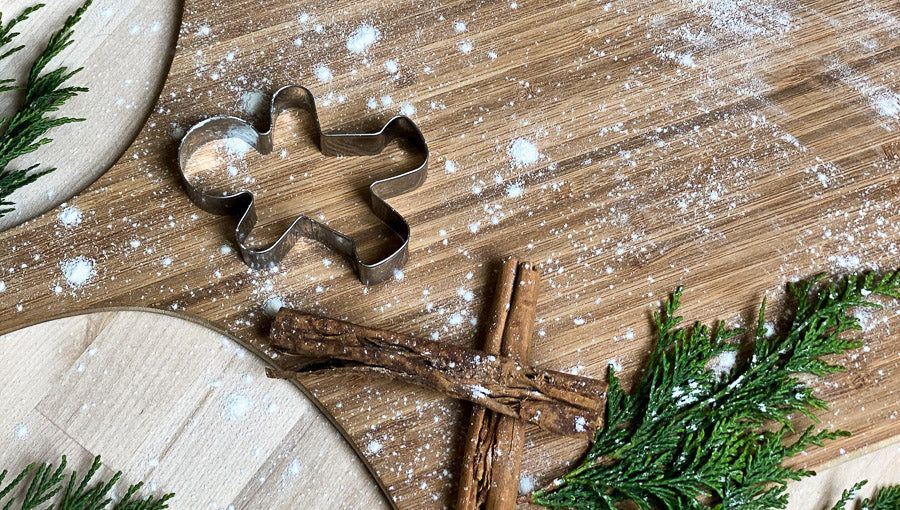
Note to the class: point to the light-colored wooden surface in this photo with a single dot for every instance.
(176, 405)
(125, 48)
(730, 147)
(823, 490)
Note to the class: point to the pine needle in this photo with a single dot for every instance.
(46, 483)
(44, 93)
(693, 438)
(887, 498)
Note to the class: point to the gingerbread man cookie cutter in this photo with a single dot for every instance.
(241, 203)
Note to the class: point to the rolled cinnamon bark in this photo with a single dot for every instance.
(509, 437)
(558, 402)
(475, 477)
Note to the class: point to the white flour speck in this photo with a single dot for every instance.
(272, 305)
(459, 27)
(70, 217)
(514, 190)
(294, 467)
(526, 485)
(78, 270)
(408, 110)
(398, 275)
(523, 153)
(166, 261)
(845, 261)
(2, 286)
(465, 47)
(237, 406)
(391, 66)
(386, 100)
(473, 227)
(363, 37)
(236, 147)
(373, 447)
(371, 103)
(455, 319)
(21, 431)
(450, 167)
(723, 364)
(467, 295)
(580, 422)
(886, 103)
(323, 73)
(225, 249)
(204, 30)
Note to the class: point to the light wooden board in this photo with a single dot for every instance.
(189, 412)
(728, 150)
(125, 48)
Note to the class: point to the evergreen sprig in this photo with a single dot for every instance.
(693, 437)
(887, 498)
(44, 93)
(46, 483)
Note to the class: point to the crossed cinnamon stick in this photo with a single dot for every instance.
(507, 392)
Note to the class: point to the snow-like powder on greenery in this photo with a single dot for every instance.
(706, 428)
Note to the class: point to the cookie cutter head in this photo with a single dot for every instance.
(241, 203)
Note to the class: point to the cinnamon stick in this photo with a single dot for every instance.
(560, 403)
(509, 437)
(476, 462)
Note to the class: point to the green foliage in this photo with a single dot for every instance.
(691, 437)
(46, 483)
(887, 498)
(44, 93)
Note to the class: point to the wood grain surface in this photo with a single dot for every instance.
(630, 146)
(125, 48)
(190, 412)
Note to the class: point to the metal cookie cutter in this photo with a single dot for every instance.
(365, 144)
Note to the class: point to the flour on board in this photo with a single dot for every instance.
(362, 38)
(323, 74)
(522, 153)
(78, 270)
(70, 216)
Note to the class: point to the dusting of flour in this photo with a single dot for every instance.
(523, 153)
(78, 270)
(363, 37)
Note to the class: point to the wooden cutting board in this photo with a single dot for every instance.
(211, 429)
(727, 147)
